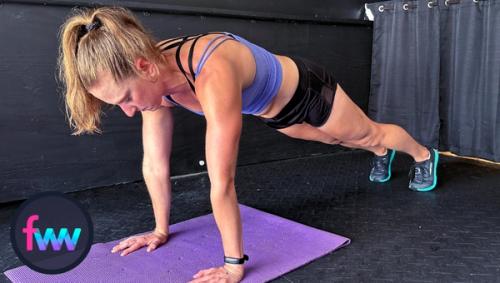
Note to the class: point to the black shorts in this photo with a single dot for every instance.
(312, 102)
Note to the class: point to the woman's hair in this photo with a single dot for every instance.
(95, 40)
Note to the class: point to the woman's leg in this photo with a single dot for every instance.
(305, 131)
(349, 124)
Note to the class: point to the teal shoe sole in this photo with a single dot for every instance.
(434, 172)
(393, 153)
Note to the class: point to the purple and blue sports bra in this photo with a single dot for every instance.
(255, 97)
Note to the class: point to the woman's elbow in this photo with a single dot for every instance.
(152, 169)
(221, 188)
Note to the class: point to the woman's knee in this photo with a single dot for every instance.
(373, 137)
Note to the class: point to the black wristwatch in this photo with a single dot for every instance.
(233, 260)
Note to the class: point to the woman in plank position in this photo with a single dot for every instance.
(107, 57)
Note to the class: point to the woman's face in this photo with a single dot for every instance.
(137, 93)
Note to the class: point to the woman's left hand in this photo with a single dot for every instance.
(223, 274)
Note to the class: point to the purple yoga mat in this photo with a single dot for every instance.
(275, 246)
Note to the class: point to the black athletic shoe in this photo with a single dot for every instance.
(381, 167)
(423, 175)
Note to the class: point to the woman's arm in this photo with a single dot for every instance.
(157, 129)
(219, 92)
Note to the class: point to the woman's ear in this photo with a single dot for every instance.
(147, 69)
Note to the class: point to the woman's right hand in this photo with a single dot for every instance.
(152, 240)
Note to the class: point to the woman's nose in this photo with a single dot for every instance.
(128, 110)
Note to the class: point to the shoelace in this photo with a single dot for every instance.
(379, 162)
(419, 172)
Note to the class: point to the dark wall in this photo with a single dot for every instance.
(318, 10)
(38, 153)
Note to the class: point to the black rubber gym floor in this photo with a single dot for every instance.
(451, 234)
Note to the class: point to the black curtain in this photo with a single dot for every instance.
(436, 72)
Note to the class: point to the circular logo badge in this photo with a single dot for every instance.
(51, 233)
